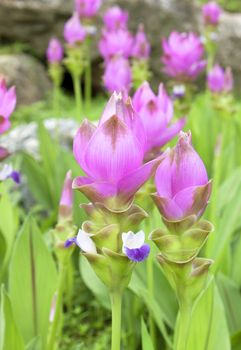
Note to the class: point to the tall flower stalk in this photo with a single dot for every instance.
(75, 34)
(183, 191)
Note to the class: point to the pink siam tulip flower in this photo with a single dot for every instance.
(183, 56)
(66, 200)
(141, 48)
(156, 113)
(116, 18)
(220, 80)
(211, 13)
(87, 8)
(8, 102)
(118, 43)
(74, 32)
(182, 182)
(117, 76)
(112, 157)
(55, 51)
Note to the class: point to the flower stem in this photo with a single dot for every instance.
(150, 285)
(78, 95)
(88, 86)
(116, 301)
(56, 98)
(183, 327)
(58, 308)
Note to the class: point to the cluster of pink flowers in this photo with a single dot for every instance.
(116, 46)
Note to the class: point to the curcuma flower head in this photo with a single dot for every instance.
(220, 80)
(111, 155)
(8, 102)
(115, 43)
(87, 8)
(115, 18)
(66, 200)
(141, 48)
(156, 113)
(211, 13)
(182, 182)
(183, 56)
(74, 32)
(55, 51)
(119, 68)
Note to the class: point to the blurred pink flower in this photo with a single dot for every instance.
(55, 51)
(115, 18)
(183, 56)
(156, 113)
(113, 43)
(117, 75)
(74, 32)
(220, 80)
(66, 200)
(87, 8)
(211, 13)
(8, 102)
(141, 48)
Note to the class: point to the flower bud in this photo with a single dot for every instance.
(182, 182)
(211, 13)
(87, 8)
(74, 32)
(66, 200)
(119, 68)
(141, 48)
(220, 80)
(55, 51)
(115, 18)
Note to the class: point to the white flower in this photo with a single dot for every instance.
(85, 243)
(5, 171)
(133, 240)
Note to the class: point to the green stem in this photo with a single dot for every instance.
(58, 308)
(150, 286)
(183, 327)
(116, 301)
(56, 98)
(88, 83)
(78, 95)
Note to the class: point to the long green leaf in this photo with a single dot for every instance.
(32, 281)
(10, 338)
(145, 337)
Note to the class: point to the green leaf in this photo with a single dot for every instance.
(8, 227)
(10, 338)
(145, 337)
(208, 329)
(94, 283)
(232, 301)
(32, 283)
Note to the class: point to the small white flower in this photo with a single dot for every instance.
(133, 240)
(85, 243)
(5, 171)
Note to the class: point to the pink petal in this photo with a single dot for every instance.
(193, 200)
(81, 141)
(169, 133)
(131, 183)
(163, 177)
(113, 152)
(168, 208)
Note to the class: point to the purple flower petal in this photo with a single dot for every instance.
(69, 242)
(15, 176)
(138, 254)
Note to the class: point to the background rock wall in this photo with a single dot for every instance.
(34, 21)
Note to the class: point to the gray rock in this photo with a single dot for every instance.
(27, 74)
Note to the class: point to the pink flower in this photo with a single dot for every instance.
(87, 8)
(141, 48)
(182, 182)
(220, 80)
(117, 75)
(211, 13)
(156, 113)
(55, 51)
(66, 200)
(74, 32)
(183, 56)
(112, 157)
(115, 18)
(8, 102)
(117, 43)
